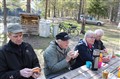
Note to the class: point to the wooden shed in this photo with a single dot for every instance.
(30, 23)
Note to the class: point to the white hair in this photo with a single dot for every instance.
(89, 33)
(58, 41)
(99, 32)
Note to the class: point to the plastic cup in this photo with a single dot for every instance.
(105, 74)
(88, 64)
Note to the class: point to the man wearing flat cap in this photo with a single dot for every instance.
(17, 58)
(58, 57)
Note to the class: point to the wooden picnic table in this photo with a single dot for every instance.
(84, 73)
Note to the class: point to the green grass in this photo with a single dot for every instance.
(111, 37)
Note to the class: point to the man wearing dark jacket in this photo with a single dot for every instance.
(85, 49)
(17, 58)
(98, 44)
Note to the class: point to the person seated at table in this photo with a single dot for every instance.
(17, 58)
(85, 49)
(98, 44)
(57, 57)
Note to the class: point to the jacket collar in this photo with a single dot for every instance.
(60, 49)
(13, 44)
(85, 42)
(14, 48)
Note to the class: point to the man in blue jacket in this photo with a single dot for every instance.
(85, 49)
(17, 58)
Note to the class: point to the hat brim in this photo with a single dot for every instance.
(17, 31)
(66, 38)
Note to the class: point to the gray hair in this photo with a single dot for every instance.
(99, 32)
(88, 33)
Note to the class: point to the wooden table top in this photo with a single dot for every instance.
(85, 73)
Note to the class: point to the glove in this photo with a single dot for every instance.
(26, 72)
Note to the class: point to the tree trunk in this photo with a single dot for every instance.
(110, 18)
(46, 6)
(58, 13)
(115, 12)
(83, 26)
(54, 9)
(62, 14)
(49, 12)
(49, 9)
(5, 24)
(79, 11)
(28, 6)
(82, 8)
(66, 13)
(118, 15)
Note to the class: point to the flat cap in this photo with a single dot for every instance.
(14, 28)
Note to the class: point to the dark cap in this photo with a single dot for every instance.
(14, 28)
(63, 36)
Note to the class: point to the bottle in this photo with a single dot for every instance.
(100, 61)
(96, 55)
(113, 54)
(118, 75)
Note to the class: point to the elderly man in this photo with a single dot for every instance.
(98, 44)
(17, 58)
(57, 57)
(85, 49)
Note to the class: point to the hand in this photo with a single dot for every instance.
(36, 72)
(69, 56)
(75, 54)
(103, 51)
(36, 75)
(26, 72)
(105, 59)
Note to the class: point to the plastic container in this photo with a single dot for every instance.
(55, 29)
(44, 28)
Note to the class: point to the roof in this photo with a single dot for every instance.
(28, 14)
